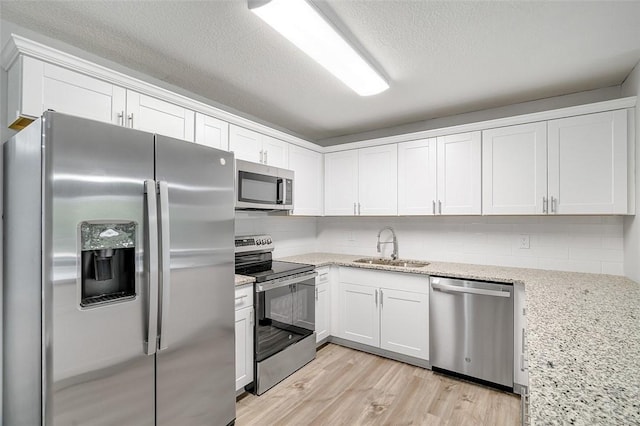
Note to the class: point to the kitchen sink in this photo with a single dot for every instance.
(390, 262)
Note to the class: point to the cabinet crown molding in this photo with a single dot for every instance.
(18, 45)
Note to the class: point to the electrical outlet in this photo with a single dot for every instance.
(523, 241)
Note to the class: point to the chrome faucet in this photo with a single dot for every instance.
(394, 255)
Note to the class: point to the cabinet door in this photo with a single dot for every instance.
(514, 169)
(322, 311)
(307, 189)
(378, 180)
(588, 164)
(244, 347)
(359, 319)
(417, 177)
(341, 183)
(245, 143)
(459, 176)
(404, 322)
(520, 361)
(36, 86)
(275, 152)
(157, 116)
(212, 132)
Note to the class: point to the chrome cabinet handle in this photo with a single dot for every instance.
(130, 120)
(439, 207)
(266, 158)
(121, 118)
(316, 293)
(152, 257)
(376, 297)
(544, 205)
(381, 298)
(358, 209)
(354, 209)
(261, 156)
(434, 206)
(241, 297)
(251, 317)
(553, 205)
(165, 262)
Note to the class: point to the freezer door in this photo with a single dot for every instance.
(195, 365)
(94, 176)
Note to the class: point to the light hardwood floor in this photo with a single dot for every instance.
(347, 387)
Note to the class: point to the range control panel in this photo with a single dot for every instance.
(246, 243)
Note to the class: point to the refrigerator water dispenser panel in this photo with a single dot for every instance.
(108, 262)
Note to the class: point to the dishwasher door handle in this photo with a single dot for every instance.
(470, 290)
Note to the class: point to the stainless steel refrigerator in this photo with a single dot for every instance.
(118, 278)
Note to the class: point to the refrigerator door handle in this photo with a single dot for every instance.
(165, 267)
(152, 256)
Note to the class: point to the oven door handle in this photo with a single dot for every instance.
(261, 287)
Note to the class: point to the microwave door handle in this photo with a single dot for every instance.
(281, 190)
(152, 257)
(165, 266)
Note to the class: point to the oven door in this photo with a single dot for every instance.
(257, 190)
(285, 313)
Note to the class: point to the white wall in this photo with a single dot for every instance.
(569, 243)
(631, 87)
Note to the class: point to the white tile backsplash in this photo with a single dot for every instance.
(292, 234)
(567, 243)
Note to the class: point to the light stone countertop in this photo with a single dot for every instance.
(583, 334)
(243, 279)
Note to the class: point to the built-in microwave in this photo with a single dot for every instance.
(262, 187)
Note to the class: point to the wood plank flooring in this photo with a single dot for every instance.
(343, 386)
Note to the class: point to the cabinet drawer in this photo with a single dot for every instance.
(244, 297)
(323, 275)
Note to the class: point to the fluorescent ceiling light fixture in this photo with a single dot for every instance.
(304, 26)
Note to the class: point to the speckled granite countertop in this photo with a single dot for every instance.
(243, 279)
(583, 338)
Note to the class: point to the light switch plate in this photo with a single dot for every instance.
(523, 241)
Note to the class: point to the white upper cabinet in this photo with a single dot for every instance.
(417, 177)
(253, 146)
(341, 183)
(245, 144)
(459, 174)
(588, 164)
(275, 152)
(440, 176)
(362, 182)
(377, 181)
(157, 116)
(514, 169)
(575, 165)
(307, 187)
(212, 132)
(35, 86)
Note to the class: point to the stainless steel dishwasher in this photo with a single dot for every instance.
(471, 330)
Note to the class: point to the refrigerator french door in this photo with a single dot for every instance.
(118, 259)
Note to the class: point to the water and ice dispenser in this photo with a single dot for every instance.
(108, 262)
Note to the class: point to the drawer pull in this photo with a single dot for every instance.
(241, 297)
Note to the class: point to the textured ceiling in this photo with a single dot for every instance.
(442, 58)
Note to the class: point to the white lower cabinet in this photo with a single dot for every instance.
(520, 357)
(244, 336)
(323, 304)
(404, 320)
(385, 310)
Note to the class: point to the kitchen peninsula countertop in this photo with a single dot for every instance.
(243, 280)
(583, 337)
